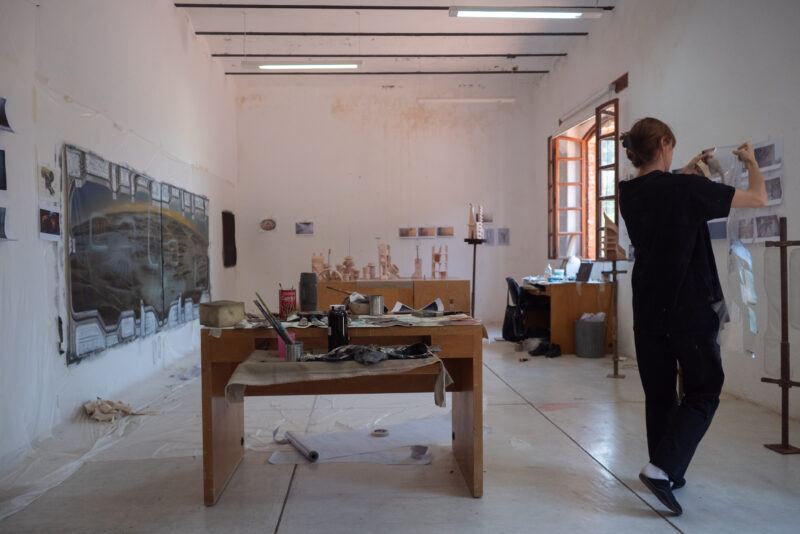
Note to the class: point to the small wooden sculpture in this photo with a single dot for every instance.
(348, 270)
(438, 263)
(417, 266)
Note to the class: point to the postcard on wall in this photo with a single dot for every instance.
(49, 222)
(445, 231)
(305, 228)
(503, 236)
(426, 231)
(407, 232)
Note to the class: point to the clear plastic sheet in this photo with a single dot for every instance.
(772, 333)
(742, 331)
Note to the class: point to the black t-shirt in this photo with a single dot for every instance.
(675, 281)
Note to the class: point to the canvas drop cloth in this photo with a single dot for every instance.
(263, 368)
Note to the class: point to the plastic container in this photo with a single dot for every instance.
(589, 338)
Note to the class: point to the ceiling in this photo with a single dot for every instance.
(289, 31)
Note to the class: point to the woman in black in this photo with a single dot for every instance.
(676, 294)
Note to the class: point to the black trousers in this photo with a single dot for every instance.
(674, 429)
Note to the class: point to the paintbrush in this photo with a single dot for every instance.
(275, 324)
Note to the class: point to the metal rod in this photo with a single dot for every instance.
(474, 257)
(387, 73)
(395, 34)
(346, 7)
(346, 55)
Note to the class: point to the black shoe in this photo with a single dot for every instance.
(678, 484)
(541, 349)
(662, 490)
(554, 351)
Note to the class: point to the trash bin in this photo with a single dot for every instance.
(590, 335)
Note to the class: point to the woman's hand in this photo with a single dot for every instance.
(692, 167)
(746, 154)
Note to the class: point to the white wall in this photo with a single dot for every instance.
(130, 81)
(719, 72)
(361, 157)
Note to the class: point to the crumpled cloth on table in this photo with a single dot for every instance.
(371, 354)
(263, 368)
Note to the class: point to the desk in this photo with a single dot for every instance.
(223, 422)
(415, 293)
(563, 304)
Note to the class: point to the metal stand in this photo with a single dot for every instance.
(785, 382)
(474, 243)
(614, 272)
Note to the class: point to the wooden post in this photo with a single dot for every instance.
(785, 382)
(474, 243)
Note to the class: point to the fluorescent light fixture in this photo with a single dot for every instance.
(294, 66)
(558, 13)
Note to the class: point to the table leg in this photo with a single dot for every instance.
(468, 419)
(223, 428)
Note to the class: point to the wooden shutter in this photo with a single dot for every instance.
(568, 195)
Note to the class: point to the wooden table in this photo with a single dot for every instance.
(564, 303)
(415, 293)
(223, 422)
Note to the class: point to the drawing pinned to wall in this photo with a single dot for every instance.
(3, 180)
(49, 224)
(769, 154)
(4, 124)
(305, 228)
(767, 227)
(49, 186)
(138, 259)
(407, 232)
(426, 231)
(488, 236)
(774, 186)
(503, 236)
(445, 231)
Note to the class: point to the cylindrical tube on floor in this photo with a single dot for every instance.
(311, 455)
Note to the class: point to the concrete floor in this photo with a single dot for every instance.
(563, 447)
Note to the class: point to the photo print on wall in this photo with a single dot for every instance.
(4, 124)
(305, 228)
(426, 231)
(3, 234)
(503, 236)
(407, 232)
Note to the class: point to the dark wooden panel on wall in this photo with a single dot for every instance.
(228, 239)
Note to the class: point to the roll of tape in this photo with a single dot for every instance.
(380, 432)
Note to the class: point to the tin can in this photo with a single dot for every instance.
(376, 304)
(287, 303)
(337, 327)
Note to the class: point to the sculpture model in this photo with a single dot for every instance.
(438, 263)
(388, 270)
(348, 270)
(417, 266)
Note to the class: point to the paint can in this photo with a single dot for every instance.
(294, 351)
(376, 304)
(308, 292)
(287, 303)
(337, 327)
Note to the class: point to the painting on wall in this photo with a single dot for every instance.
(138, 254)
